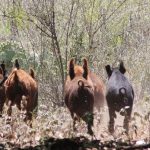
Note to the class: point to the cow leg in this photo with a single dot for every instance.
(89, 121)
(100, 107)
(9, 110)
(36, 105)
(90, 129)
(23, 105)
(28, 118)
(111, 120)
(1, 108)
(127, 120)
(74, 121)
(19, 106)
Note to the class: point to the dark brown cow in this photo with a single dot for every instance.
(83, 90)
(3, 77)
(21, 89)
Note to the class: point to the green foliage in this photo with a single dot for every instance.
(78, 47)
(7, 28)
(117, 40)
(92, 10)
(11, 51)
(18, 16)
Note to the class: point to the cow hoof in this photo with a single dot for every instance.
(74, 129)
(90, 132)
(111, 131)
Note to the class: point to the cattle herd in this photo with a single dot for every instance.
(83, 91)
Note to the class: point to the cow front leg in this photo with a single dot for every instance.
(90, 131)
(9, 111)
(28, 114)
(1, 108)
(111, 120)
(74, 121)
(28, 118)
(89, 120)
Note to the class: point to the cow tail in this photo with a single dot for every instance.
(122, 91)
(81, 84)
(123, 94)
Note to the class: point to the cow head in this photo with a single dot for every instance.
(3, 73)
(75, 70)
(110, 70)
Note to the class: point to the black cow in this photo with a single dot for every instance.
(119, 96)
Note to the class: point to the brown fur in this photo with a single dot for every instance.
(3, 77)
(99, 91)
(19, 86)
(1, 73)
(82, 85)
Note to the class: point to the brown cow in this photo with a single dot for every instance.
(3, 77)
(21, 88)
(83, 90)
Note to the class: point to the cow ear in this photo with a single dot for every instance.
(122, 68)
(3, 65)
(17, 64)
(1, 70)
(32, 74)
(85, 68)
(71, 69)
(108, 70)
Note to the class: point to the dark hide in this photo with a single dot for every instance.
(3, 77)
(119, 95)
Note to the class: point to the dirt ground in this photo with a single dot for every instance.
(57, 123)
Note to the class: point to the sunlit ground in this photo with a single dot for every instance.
(58, 123)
